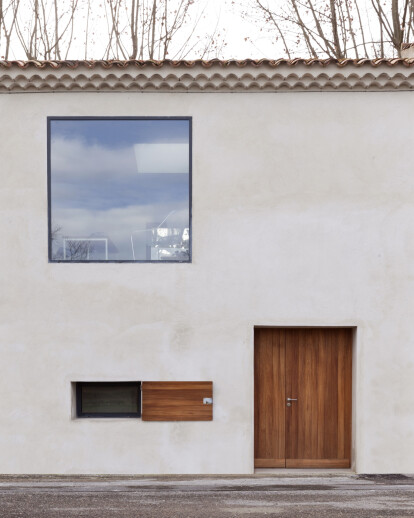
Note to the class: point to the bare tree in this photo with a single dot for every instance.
(48, 32)
(155, 29)
(118, 29)
(54, 233)
(77, 250)
(396, 24)
(338, 28)
(73, 249)
(8, 16)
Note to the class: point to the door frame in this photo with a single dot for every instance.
(356, 330)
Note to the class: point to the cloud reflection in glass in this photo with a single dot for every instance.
(120, 189)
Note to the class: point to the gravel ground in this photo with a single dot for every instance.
(280, 496)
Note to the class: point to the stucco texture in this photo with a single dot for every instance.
(303, 213)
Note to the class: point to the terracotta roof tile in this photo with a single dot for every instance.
(208, 76)
(106, 64)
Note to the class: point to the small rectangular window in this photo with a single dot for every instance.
(112, 399)
(119, 189)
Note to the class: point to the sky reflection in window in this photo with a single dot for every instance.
(120, 189)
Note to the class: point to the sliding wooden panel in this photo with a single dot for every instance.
(269, 398)
(318, 375)
(176, 400)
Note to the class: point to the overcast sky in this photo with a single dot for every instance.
(245, 37)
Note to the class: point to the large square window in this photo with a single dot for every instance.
(119, 189)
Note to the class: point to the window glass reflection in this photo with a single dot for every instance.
(116, 398)
(120, 190)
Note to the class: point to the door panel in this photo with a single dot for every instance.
(269, 394)
(318, 375)
(317, 372)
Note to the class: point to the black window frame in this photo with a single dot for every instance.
(82, 415)
(50, 119)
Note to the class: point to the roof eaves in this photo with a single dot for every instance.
(208, 76)
(273, 63)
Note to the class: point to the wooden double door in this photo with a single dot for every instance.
(303, 397)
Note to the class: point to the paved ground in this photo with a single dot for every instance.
(208, 497)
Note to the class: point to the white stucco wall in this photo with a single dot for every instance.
(302, 216)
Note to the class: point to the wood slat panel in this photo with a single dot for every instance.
(318, 463)
(176, 400)
(292, 374)
(269, 463)
(342, 395)
(269, 396)
(346, 399)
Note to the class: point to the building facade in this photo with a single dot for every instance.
(244, 226)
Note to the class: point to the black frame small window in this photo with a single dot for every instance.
(101, 399)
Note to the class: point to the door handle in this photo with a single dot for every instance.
(291, 399)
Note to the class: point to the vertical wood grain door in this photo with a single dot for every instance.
(303, 397)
